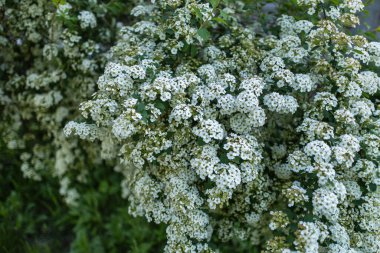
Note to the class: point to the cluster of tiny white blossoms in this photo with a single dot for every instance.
(283, 127)
(269, 139)
(49, 64)
(186, 133)
(87, 19)
(332, 134)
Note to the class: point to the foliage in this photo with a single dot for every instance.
(45, 56)
(247, 126)
(35, 219)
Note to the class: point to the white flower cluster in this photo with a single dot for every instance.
(219, 133)
(280, 103)
(41, 92)
(374, 51)
(87, 19)
(285, 121)
(325, 203)
(209, 130)
(336, 132)
(195, 125)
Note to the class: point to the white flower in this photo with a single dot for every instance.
(319, 150)
(63, 9)
(280, 103)
(325, 203)
(303, 83)
(87, 19)
(208, 130)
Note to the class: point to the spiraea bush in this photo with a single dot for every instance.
(52, 53)
(234, 128)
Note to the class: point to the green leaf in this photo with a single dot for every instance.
(162, 106)
(140, 107)
(224, 15)
(236, 159)
(214, 3)
(200, 141)
(198, 13)
(377, 29)
(58, 2)
(372, 187)
(193, 51)
(220, 20)
(115, 7)
(204, 34)
(145, 116)
(358, 51)
(103, 187)
(224, 158)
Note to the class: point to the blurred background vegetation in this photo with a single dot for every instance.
(33, 219)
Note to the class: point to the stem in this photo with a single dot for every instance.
(52, 21)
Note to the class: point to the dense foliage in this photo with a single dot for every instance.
(235, 125)
(50, 61)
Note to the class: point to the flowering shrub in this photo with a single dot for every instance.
(249, 136)
(224, 127)
(52, 55)
(49, 62)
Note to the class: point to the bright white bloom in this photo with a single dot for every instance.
(325, 203)
(87, 19)
(303, 83)
(280, 103)
(318, 150)
(209, 130)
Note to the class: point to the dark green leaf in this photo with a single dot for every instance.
(162, 106)
(224, 15)
(220, 20)
(204, 34)
(214, 3)
(58, 2)
(193, 51)
(140, 107)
